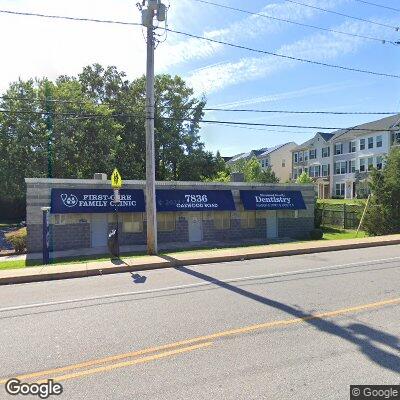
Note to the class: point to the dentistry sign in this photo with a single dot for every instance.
(194, 200)
(70, 201)
(272, 200)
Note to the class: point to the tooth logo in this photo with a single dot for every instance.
(69, 200)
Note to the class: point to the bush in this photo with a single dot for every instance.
(316, 234)
(18, 240)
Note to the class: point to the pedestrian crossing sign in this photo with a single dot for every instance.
(116, 179)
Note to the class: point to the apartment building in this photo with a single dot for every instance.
(315, 158)
(339, 162)
(357, 151)
(278, 158)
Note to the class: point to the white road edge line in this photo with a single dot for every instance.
(192, 285)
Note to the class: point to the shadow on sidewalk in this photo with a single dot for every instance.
(361, 335)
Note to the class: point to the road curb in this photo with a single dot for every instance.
(170, 262)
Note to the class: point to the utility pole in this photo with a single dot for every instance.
(49, 126)
(154, 8)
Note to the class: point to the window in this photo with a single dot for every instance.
(59, 219)
(362, 164)
(379, 162)
(352, 166)
(340, 187)
(283, 163)
(296, 157)
(371, 143)
(165, 222)
(362, 144)
(248, 219)
(262, 163)
(132, 223)
(313, 154)
(379, 141)
(340, 168)
(222, 220)
(338, 148)
(326, 152)
(315, 171)
(370, 163)
(300, 156)
(352, 146)
(325, 170)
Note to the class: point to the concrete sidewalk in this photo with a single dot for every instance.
(195, 257)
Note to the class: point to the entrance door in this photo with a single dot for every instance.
(195, 227)
(272, 225)
(99, 230)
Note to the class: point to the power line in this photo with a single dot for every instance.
(217, 122)
(301, 112)
(102, 21)
(396, 28)
(219, 109)
(213, 41)
(304, 60)
(378, 5)
(384, 41)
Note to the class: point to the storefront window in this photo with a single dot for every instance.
(166, 222)
(132, 223)
(222, 220)
(248, 219)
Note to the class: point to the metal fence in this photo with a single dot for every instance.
(339, 215)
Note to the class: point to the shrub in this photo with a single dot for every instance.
(316, 234)
(18, 240)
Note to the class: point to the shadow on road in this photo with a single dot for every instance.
(361, 335)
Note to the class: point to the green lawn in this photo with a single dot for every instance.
(329, 234)
(356, 202)
(337, 234)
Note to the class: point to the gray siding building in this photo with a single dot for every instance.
(75, 228)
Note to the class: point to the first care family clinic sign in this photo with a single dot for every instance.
(69, 201)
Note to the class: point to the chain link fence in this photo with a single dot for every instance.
(345, 216)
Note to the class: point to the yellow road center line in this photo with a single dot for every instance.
(217, 335)
(129, 363)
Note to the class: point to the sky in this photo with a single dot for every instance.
(226, 77)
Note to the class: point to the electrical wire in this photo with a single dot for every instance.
(384, 41)
(285, 56)
(378, 5)
(81, 19)
(396, 28)
(227, 109)
(216, 41)
(191, 120)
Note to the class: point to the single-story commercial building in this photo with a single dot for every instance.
(83, 212)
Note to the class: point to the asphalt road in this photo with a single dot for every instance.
(300, 327)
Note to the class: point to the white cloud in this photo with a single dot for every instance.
(319, 47)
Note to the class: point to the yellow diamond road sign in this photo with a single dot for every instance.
(116, 180)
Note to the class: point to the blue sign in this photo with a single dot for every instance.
(70, 201)
(272, 200)
(194, 200)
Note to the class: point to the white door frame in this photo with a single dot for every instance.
(272, 224)
(195, 227)
(98, 223)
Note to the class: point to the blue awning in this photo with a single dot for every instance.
(72, 201)
(272, 200)
(194, 200)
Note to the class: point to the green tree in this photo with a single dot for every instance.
(383, 213)
(304, 178)
(253, 171)
(99, 124)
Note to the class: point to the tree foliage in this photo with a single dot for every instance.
(304, 178)
(383, 213)
(253, 171)
(99, 124)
